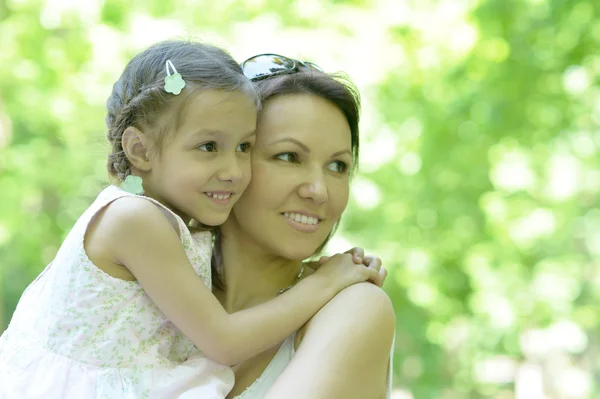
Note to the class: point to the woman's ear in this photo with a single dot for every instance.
(135, 146)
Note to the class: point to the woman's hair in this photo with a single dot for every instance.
(335, 88)
(138, 98)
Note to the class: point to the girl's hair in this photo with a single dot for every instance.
(337, 89)
(138, 98)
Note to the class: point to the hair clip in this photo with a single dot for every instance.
(174, 83)
(133, 185)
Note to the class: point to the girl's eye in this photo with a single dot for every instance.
(338, 166)
(208, 147)
(244, 147)
(287, 157)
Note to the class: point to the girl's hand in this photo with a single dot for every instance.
(372, 262)
(342, 271)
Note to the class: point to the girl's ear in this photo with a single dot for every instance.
(135, 146)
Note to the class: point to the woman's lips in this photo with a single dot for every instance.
(304, 222)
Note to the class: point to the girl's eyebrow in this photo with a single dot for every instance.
(305, 148)
(249, 134)
(212, 133)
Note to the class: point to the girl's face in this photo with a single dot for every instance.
(202, 171)
(300, 179)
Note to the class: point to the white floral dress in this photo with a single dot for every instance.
(78, 333)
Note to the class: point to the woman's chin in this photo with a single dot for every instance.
(300, 250)
(298, 254)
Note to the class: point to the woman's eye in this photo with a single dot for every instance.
(244, 147)
(287, 157)
(208, 147)
(338, 166)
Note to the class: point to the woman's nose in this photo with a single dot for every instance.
(315, 188)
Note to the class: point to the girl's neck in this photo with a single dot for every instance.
(252, 275)
(151, 194)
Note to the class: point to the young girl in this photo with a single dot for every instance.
(125, 310)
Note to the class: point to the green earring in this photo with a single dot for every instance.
(133, 185)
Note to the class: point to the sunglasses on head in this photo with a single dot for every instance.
(263, 66)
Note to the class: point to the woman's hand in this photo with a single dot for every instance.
(358, 256)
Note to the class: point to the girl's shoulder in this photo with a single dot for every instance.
(114, 222)
(131, 216)
(127, 224)
(116, 207)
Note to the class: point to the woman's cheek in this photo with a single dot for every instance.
(339, 194)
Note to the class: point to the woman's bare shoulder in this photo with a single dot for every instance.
(362, 310)
(355, 330)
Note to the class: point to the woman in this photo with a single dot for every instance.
(306, 148)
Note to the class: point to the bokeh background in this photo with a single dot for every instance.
(479, 181)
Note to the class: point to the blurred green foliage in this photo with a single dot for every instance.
(480, 172)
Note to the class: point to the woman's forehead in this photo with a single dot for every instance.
(302, 114)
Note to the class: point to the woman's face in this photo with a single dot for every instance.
(300, 181)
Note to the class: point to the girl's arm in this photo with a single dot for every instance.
(345, 350)
(135, 233)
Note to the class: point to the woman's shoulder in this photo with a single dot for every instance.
(363, 310)
(363, 299)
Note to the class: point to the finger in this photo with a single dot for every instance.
(380, 279)
(357, 254)
(356, 251)
(371, 275)
(324, 259)
(314, 265)
(383, 273)
(374, 262)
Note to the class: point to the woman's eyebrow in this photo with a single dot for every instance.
(305, 148)
(293, 140)
(341, 152)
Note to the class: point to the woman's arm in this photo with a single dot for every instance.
(345, 351)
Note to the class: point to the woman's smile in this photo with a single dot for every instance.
(302, 221)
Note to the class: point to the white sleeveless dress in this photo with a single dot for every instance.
(79, 333)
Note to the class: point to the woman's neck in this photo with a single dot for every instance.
(252, 275)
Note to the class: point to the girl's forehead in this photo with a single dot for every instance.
(217, 111)
(207, 100)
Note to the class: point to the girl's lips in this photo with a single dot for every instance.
(220, 197)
